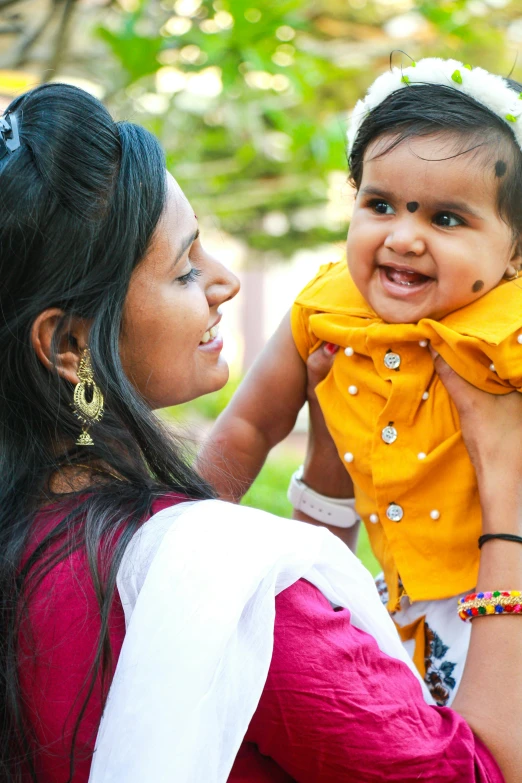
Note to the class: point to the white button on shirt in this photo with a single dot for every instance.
(394, 512)
(389, 434)
(392, 360)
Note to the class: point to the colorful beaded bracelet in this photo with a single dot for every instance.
(497, 602)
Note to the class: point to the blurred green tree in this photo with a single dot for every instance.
(251, 123)
(249, 97)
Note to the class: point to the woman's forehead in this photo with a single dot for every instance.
(177, 206)
(177, 222)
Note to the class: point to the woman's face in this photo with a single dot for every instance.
(170, 344)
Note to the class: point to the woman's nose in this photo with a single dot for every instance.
(405, 239)
(222, 284)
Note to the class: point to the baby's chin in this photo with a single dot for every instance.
(393, 312)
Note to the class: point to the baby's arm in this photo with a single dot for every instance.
(260, 415)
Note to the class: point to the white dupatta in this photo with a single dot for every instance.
(198, 585)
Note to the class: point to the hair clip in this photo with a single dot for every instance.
(9, 135)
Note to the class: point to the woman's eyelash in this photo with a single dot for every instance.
(190, 276)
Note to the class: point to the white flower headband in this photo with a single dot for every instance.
(491, 91)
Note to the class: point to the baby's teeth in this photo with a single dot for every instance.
(214, 331)
(206, 337)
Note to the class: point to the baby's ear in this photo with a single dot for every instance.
(515, 263)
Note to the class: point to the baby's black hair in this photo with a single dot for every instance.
(427, 109)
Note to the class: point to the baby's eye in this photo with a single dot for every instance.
(381, 207)
(448, 220)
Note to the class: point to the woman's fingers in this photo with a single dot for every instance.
(463, 394)
(491, 426)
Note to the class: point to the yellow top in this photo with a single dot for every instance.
(397, 429)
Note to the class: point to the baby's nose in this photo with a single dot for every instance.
(405, 241)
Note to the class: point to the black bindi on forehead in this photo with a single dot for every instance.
(500, 168)
(477, 286)
(412, 206)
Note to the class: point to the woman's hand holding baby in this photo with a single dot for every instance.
(492, 431)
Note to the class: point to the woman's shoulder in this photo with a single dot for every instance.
(65, 553)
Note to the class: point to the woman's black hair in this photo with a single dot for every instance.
(426, 109)
(79, 202)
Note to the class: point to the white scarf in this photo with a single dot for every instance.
(198, 585)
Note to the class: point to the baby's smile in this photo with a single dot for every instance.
(403, 280)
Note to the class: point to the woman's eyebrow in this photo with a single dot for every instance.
(185, 246)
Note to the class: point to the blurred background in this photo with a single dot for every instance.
(250, 99)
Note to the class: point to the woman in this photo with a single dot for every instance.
(109, 309)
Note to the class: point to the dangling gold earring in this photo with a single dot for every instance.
(88, 399)
(513, 277)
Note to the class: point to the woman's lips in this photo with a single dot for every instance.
(213, 346)
(402, 283)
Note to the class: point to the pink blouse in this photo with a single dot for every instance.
(334, 708)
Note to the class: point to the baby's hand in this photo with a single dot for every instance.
(323, 470)
(318, 366)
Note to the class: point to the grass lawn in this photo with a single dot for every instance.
(269, 493)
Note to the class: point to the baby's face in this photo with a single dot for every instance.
(425, 237)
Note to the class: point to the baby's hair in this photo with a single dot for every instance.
(428, 109)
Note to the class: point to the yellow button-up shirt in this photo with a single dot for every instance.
(396, 428)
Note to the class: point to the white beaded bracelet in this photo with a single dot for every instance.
(338, 512)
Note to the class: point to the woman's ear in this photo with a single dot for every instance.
(59, 342)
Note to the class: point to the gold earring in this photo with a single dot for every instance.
(88, 399)
(513, 277)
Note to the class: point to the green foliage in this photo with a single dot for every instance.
(266, 138)
(136, 54)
